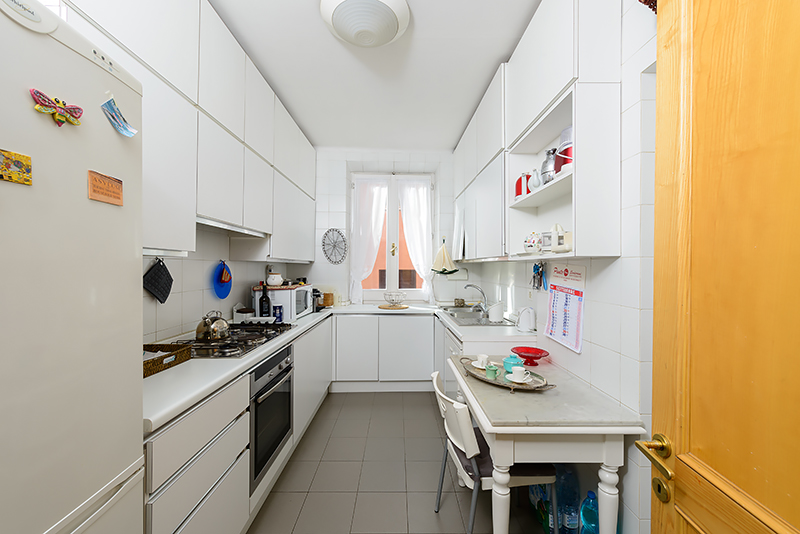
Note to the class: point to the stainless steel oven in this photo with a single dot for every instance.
(270, 412)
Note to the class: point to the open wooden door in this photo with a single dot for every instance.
(726, 389)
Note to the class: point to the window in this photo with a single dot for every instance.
(395, 242)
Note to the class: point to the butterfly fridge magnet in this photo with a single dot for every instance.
(60, 111)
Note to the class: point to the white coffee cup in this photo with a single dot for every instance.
(519, 374)
(483, 359)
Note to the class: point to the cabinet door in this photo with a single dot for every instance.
(459, 222)
(470, 140)
(488, 202)
(453, 348)
(287, 156)
(259, 119)
(167, 42)
(471, 205)
(312, 373)
(458, 169)
(222, 67)
(220, 173)
(439, 347)
(406, 348)
(489, 122)
(528, 91)
(307, 170)
(258, 184)
(356, 348)
(293, 222)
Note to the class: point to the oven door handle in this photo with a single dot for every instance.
(263, 397)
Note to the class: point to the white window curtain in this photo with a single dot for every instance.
(369, 209)
(415, 206)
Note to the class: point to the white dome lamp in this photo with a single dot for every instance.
(366, 23)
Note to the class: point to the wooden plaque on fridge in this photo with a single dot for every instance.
(105, 188)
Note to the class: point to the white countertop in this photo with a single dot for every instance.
(171, 392)
(573, 403)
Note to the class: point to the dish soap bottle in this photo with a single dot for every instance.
(590, 523)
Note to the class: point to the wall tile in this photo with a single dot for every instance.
(577, 364)
(322, 220)
(648, 88)
(648, 177)
(644, 526)
(604, 280)
(149, 314)
(648, 126)
(629, 332)
(631, 131)
(401, 166)
(629, 485)
(149, 338)
(632, 69)
(629, 383)
(322, 202)
(192, 310)
(646, 335)
(417, 166)
(647, 283)
(337, 220)
(646, 388)
(338, 203)
(168, 333)
(630, 280)
(647, 222)
(630, 523)
(631, 232)
(631, 181)
(645, 477)
(175, 267)
(638, 27)
(605, 370)
(606, 325)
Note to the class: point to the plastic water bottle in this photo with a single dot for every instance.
(589, 518)
(568, 493)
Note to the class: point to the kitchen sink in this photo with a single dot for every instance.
(464, 316)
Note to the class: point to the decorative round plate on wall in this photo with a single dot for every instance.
(334, 246)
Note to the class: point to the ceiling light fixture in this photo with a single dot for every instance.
(367, 23)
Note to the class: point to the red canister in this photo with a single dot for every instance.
(563, 157)
(518, 188)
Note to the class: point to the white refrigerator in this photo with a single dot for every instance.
(71, 456)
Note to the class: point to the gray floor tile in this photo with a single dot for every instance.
(380, 513)
(331, 513)
(335, 399)
(278, 514)
(383, 477)
(483, 513)
(420, 412)
(424, 449)
(424, 476)
(336, 477)
(320, 428)
(350, 428)
(394, 411)
(422, 519)
(310, 448)
(296, 477)
(385, 428)
(344, 450)
(421, 398)
(388, 399)
(359, 399)
(421, 428)
(356, 412)
(385, 450)
(328, 411)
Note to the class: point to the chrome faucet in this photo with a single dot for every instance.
(482, 305)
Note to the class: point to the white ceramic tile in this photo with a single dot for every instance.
(337, 203)
(646, 388)
(149, 315)
(168, 315)
(629, 282)
(631, 232)
(632, 69)
(629, 485)
(648, 177)
(212, 302)
(646, 335)
(175, 267)
(337, 170)
(322, 220)
(629, 332)
(149, 338)
(385, 166)
(337, 185)
(321, 203)
(604, 280)
(629, 383)
(631, 182)
(648, 87)
(192, 310)
(605, 370)
(631, 131)
(645, 478)
(606, 325)
(632, 454)
(647, 222)
(647, 283)
(644, 526)
(630, 523)
(193, 275)
(337, 220)
(417, 166)
(401, 166)
(627, 4)
(638, 27)
(209, 267)
(648, 126)
(161, 335)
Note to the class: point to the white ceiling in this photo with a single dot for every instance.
(417, 93)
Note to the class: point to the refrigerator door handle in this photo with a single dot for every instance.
(110, 501)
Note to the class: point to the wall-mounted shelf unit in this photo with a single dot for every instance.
(544, 194)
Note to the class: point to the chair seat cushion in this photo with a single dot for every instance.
(485, 466)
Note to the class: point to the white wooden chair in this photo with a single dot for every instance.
(470, 453)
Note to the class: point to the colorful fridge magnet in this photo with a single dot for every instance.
(223, 281)
(60, 111)
(15, 168)
(114, 116)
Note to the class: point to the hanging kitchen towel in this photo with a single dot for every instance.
(442, 264)
(158, 281)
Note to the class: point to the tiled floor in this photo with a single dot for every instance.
(368, 464)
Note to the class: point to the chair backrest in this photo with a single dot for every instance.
(457, 422)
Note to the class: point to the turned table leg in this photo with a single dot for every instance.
(608, 499)
(501, 499)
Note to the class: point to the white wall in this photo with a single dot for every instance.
(192, 294)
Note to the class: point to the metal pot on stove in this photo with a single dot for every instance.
(213, 327)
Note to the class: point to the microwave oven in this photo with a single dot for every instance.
(297, 301)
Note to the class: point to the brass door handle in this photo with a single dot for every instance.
(394, 249)
(663, 448)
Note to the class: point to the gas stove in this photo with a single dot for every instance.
(244, 337)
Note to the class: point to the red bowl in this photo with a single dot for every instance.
(530, 354)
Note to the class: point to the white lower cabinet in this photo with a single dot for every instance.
(312, 373)
(357, 348)
(405, 348)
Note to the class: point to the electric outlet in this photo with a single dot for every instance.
(530, 293)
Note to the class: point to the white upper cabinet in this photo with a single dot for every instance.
(307, 167)
(259, 119)
(483, 213)
(258, 184)
(489, 121)
(222, 72)
(293, 225)
(470, 140)
(220, 173)
(458, 170)
(162, 34)
(287, 151)
(542, 66)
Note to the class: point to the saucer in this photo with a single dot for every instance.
(527, 379)
(478, 366)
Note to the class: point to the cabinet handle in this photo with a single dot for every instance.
(263, 397)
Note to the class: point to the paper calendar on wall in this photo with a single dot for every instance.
(565, 309)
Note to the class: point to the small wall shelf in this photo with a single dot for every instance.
(560, 186)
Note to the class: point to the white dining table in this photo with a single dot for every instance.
(572, 423)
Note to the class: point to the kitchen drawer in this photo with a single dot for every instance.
(452, 345)
(172, 446)
(226, 507)
(170, 506)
